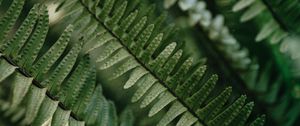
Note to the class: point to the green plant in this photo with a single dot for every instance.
(50, 80)
(229, 42)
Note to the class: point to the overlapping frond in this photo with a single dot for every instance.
(131, 42)
(216, 30)
(278, 22)
(257, 80)
(52, 86)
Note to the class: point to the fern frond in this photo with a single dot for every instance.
(217, 32)
(275, 28)
(258, 121)
(14, 45)
(145, 61)
(55, 86)
(9, 18)
(42, 108)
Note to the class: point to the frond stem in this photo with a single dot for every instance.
(144, 66)
(38, 84)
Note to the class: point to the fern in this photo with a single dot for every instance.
(275, 28)
(287, 79)
(217, 32)
(157, 67)
(256, 77)
(62, 98)
(58, 81)
(237, 56)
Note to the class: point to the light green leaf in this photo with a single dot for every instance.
(176, 109)
(144, 85)
(6, 69)
(137, 74)
(278, 36)
(73, 122)
(267, 30)
(61, 117)
(186, 120)
(241, 4)
(46, 111)
(154, 92)
(109, 48)
(169, 3)
(125, 67)
(120, 55)
(20, 87)
(34, 100)
(253, 11)
(162, 102)
(99, 40)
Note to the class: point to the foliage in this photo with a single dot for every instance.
(61, 68)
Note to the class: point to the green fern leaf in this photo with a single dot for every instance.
(187, 120)
(45, 113)
(63, 97)
(172, 113)
(14, 45)
(30, 51)
(54, 81)
(7, 21)
(229, 114)
(35, 98)
(6, 69)
(258, 121)
(154, 92)
(213, 108)
(127, 118)
(166, 99)
(61, 117)
(241, 119)
(20, 86)
(44, 63)
(144, 61)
